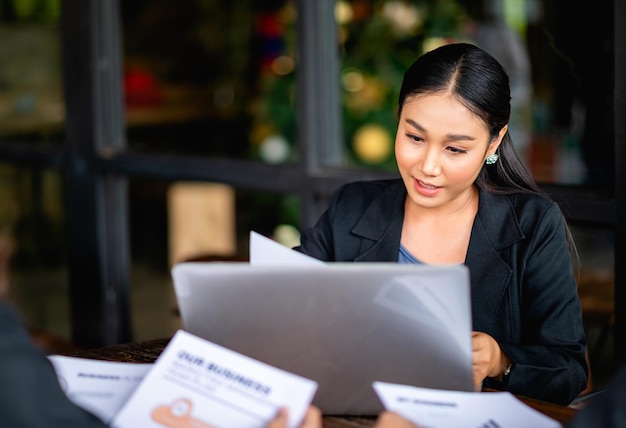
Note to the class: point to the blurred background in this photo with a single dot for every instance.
(138, 134)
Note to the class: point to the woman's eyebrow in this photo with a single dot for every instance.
(454, 137)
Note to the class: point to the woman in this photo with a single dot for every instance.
(465, 197)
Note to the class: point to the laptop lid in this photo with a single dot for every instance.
(344, 325)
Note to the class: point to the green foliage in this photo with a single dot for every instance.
(37, 11)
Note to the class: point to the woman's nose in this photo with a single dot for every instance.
(431, 162)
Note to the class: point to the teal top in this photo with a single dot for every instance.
(404, 256)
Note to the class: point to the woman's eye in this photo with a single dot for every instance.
(456, 150)
(415, 138)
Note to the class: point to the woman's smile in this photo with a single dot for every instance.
(425, 188)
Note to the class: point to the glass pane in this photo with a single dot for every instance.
(572, 97)
(31, 95)
(562, 112)
(210, 77)
(172, 222)
(33, 265)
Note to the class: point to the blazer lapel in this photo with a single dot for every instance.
(380, 227)
(496, 227)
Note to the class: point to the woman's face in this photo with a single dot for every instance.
(440, 148)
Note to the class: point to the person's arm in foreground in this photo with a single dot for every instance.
(607, 409)
(30, 395)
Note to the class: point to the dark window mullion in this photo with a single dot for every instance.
(96, 214)
(619, 92)
(318, 96)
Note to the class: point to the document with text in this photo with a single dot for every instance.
(430, 408)
(100, 387)
(197, 383)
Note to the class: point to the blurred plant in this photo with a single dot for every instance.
(273, 132)
(378, 40)
(41, 11)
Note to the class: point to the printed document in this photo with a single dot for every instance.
(100, 387)
(197, 383)
(265, 251)
(430, 408)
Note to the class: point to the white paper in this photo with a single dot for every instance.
(197, 383)
(101, 387)
(452, 409)
(265, 251)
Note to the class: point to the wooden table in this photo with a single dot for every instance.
(148, 351)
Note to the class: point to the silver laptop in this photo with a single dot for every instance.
(344, 325)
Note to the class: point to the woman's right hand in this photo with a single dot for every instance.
(488, 360)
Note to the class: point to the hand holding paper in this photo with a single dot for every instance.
(195, 383)
(453, 409)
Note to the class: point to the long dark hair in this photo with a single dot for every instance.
(482, 85)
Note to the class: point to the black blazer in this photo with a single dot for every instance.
(523, 289)
(607, 409)
(30, 395)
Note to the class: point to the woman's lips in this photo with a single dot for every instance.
(426, 189)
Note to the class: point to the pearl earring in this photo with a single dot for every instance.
(491, 159)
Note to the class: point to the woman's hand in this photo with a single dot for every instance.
(312, 419)
(488, 360)
(389, 419)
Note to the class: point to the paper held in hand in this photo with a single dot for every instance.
(197, 383)
(452, 409)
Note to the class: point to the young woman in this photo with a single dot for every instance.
(465, 197)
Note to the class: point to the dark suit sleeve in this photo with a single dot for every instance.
(606, 410)
(549, 361)
(30, 395)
